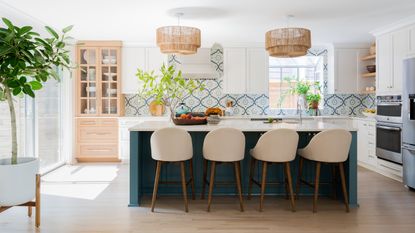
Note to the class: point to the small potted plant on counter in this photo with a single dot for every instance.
(26, 61)
(168, 89)
(313, 100)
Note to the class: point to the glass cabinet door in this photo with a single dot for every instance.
(109, 81)
(88, 83)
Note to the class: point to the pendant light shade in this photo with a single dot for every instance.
(178, 39)
(288, 42)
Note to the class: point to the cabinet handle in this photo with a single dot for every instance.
(99, 149)
(88, 123)
(98, 133)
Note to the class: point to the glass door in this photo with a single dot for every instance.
(109, 81)
(88, 87)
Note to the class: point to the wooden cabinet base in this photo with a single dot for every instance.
(97, 159)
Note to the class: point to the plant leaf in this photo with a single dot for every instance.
(35, 85)
(52, 32)
(25, 30)
(8, 23)
(67, 29)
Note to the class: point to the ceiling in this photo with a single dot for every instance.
(242, 21)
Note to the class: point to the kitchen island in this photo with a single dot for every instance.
(142, 166)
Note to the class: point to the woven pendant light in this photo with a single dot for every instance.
(178, 39)
(288, 42)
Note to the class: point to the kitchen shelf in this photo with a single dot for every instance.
(369, 57)
(368, 92)
(369, 75)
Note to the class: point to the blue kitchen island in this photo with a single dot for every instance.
(142, 166)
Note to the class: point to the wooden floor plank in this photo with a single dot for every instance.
(385, 206)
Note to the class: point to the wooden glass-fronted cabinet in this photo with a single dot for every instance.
(99, 79)
(98, 100)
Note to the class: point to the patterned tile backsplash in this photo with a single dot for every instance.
(252, 104)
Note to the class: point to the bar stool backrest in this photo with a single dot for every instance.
(171, 144)
(224, 145)
(278, 145)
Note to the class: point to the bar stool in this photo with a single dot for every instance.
(224, 145)
(276, 146)
(329, 146)
(172, 145)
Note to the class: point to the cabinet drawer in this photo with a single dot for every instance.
(98, 122)
(107, 150)
(97, 134)
(87, 122)
(390, 168)
(113, 122)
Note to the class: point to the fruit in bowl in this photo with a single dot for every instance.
(369, 112)
(189, 116)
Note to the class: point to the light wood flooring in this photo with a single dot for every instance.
(93, 198)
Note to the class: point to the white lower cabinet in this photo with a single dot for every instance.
(366, 143)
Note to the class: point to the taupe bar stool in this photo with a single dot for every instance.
(224, 145)
(172, 145)
(329, 146)
(275, 146)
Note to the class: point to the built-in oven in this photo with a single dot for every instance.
(389, 141)
(389, 108)
(389, 128)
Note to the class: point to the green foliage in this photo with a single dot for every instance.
(311, 97)
(27, 60)
(169, 88)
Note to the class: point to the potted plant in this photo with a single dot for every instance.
(169, 88)
(313, 100)
(26, 61)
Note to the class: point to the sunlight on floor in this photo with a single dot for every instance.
(79, 181)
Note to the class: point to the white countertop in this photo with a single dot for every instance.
(307, 125)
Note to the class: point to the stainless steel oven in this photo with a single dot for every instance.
(389, 128)
(389, 108)
(389, 141)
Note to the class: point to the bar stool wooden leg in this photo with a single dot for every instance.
(300, 171)
(37, 221)
(251, 177)
(184, 186)
(205, 164)
(290, 185)
(263, 183)
(29, 211)
(284, 175)
(211, 183)
(316, 185)
(343, 179)
(334, 180)
(192, 179)
(238, 184)
(156, 184)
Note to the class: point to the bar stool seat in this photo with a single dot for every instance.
(329, 146)
(223, 145)
(170, 145)
(275, 146)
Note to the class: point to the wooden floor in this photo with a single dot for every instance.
(94, 198)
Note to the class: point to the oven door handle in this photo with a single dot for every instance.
(388, 128)
(389, 104)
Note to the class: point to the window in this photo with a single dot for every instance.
(286, 72)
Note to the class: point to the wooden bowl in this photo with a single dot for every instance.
(371, 68)
(178, 121)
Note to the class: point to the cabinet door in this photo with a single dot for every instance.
(400, 50)
(234, 77)
(346, 70)
(87, 83)
(155, 59)
(412, 39)
(384, 56)
(362, 144)
(257, 71)
(133, 58)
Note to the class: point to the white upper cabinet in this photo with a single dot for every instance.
(348, 69)
(147, 59)
(234, 74)
(384, 51)
(257, 70)
(412, 39)
(132, 59)
(245, 71)
(392, 48)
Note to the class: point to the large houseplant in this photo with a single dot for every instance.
(26, 61)
(169, 88)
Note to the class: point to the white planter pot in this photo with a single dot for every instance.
(18, 181)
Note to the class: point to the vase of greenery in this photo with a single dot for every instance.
(26, 61)
(169, 88)
(300, 88)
